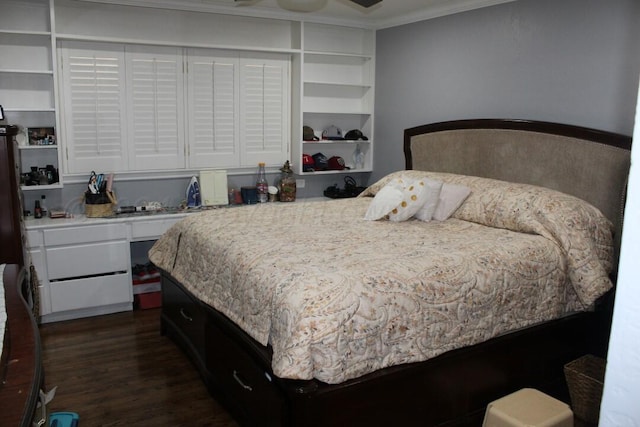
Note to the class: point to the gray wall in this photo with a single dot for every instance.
(568, 61)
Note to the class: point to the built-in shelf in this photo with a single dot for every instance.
(25, 71)
(38, 147)
(29, 109)
(338, 142)
(311, 53)
(41, 187)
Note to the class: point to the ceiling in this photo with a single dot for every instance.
(387, 13)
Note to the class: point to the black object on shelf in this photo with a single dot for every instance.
(350, 189)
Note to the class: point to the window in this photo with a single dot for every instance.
(145, 108)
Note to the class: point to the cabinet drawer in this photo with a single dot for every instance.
(87, 260)
(185, 312)
(151, 230)
(90, 292)
(84, 234)
(34, 238)
(247, 381)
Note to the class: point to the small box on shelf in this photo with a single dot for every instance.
(146, 286)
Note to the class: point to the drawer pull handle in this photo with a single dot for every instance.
(185, 315)
(239, 381)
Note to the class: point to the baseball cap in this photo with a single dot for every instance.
(332, 133)
(321, 162)
(308, 163)
(308, 134)
(354, 135)
(337, 163)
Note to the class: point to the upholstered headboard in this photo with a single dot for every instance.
(590, 164)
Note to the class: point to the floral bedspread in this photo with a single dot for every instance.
(338, 297)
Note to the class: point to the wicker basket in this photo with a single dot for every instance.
(585, 379)
(99, 205)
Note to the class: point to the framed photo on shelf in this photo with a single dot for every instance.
(41, 136)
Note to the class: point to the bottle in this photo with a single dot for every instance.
(262, 186)
(287, 184)
(358, 158)
(37, 210)
(43, 205)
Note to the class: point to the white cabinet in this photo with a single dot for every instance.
(84, 264)
(83, 270)
(337, 89)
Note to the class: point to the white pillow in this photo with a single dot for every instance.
(432, 190)
(414, 196)
(385, 200)
(451, 197)
(398, 200)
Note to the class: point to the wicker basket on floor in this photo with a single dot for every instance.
(99, 205)
(585, 379)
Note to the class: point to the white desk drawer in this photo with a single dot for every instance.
(151, 230)
(90, 292)
(85, 234)
(87, 260)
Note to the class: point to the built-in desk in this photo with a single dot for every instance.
(84, 264)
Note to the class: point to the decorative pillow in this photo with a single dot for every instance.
(451, 197)
(414, 196)
(373, 189)
(398, 200)
(432, 190)
(385, 200)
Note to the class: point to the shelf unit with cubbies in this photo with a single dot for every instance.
(27, 83)
(337, 90)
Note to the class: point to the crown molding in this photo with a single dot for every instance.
(446, 8)
(256, 11)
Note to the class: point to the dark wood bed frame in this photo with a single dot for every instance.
(452, 389)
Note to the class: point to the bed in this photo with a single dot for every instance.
(324, 318)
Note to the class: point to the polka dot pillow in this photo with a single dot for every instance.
(399, 200)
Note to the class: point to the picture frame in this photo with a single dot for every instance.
(45, 135)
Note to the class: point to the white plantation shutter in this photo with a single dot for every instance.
(156, 112)
(93, 103)
(213, 108)
(125, 108)
(264, 110)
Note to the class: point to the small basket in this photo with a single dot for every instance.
(99, 205)
(585, 379)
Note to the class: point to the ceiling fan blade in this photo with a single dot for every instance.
(366, 3)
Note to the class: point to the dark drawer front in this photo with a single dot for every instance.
(185, 312)
(249, 388)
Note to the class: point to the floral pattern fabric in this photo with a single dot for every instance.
(338, 297)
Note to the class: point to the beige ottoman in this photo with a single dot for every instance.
(528, 408)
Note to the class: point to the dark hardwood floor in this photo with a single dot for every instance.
(117, 370)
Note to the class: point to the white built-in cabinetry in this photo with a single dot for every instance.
(337, 89)
(329, 80)
(27, 83)
(84, 264)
